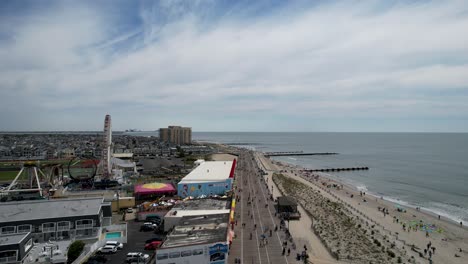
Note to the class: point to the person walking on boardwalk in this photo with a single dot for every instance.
(284, 250)
(289, 251)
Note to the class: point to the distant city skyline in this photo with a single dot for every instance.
(268, 65)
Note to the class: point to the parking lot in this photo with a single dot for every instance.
(135, 243)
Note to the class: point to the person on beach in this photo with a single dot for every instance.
(284, 250)
(289, 251)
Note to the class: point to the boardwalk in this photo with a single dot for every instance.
(255, 243)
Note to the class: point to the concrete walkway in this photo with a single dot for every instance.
(255, 210)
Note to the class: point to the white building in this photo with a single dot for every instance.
(196, 240)
(198, 207)
(209, 178)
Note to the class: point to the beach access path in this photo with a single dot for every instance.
(447, 243)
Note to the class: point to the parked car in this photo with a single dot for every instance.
(155, 221)
(129, 210)
(115, 243)
(137, 257)
(153, 217)
(156, 238)
(217, 256)
(96, 259)
(107, 249)
(147, 227)
(153, 245)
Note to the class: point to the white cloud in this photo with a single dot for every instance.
(332, 59)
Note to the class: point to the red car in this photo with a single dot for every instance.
(153, 245)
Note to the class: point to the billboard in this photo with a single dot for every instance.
(216, 253)
(204, 188)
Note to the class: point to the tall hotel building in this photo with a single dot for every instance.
(176, 135)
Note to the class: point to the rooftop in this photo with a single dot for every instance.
(209, 171)
(286, 201)
(49, 209)
(12, 239)
(202, 204)
(198, 230)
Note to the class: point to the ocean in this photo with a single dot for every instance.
(429, 170)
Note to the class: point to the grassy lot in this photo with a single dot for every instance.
(7, 175)
(6, 164)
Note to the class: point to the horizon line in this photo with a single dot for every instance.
(146, 131)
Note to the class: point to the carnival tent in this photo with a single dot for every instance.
(155, 188)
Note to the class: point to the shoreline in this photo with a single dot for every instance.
(387, 199)
(444, 234)
(434, 212)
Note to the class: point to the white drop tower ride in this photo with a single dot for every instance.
(106, 153)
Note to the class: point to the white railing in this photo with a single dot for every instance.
(63, 228)
(8, 259)
(48, 229)
(84, 226)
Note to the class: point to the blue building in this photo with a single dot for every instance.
(209, 178)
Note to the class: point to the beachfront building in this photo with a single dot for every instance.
(197, 240)
(176, 135)
(209, 178)
(55, 219)
(199, 207)
(15, 247)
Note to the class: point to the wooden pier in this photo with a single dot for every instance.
(338, 169)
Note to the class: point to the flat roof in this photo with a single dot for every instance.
(49, 209)
(286, 201)
(202, 204)
(183, 213)
(198, 230)
(12, 239)
(209, 171)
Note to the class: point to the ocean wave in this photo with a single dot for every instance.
(453, 212)
(397, 200)
(362, 188)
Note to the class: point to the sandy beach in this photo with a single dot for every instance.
(407, 230)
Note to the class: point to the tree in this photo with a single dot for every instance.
(75, 250)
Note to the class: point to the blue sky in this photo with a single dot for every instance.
(235, 65)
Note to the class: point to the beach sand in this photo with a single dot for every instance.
(447, 243)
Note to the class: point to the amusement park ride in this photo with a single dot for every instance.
(34, 179)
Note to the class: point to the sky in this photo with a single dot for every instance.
(267, 65)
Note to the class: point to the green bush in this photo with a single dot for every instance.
(75, 250)
(377, 242)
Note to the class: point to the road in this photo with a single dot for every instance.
(255, 209)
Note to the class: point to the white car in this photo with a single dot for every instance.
(153, 225)
(115, 243)
(129, 210)
(107, 249)
(137, 257)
